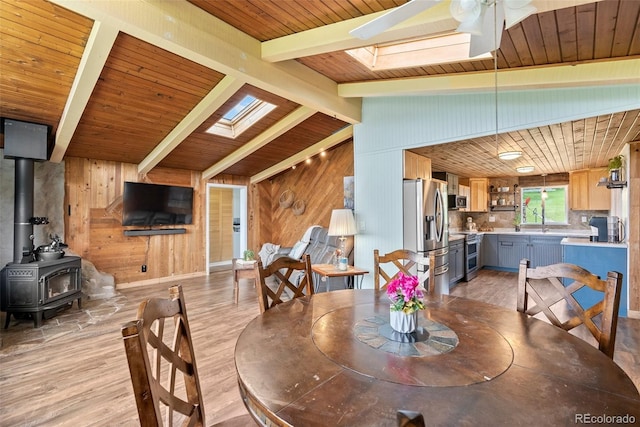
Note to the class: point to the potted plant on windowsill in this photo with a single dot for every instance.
(615, 168)
(516, 221)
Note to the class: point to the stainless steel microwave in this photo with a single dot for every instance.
(457, 202)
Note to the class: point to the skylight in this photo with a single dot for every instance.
(239, 108)
(241, 117)
(442, 49)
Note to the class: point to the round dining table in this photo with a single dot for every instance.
(332, 359)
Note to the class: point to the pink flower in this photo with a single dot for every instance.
(405, 293)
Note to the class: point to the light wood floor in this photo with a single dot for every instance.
(73, 370)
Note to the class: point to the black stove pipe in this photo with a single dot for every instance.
(23, 210)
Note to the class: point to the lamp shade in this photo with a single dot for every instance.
(342, 223)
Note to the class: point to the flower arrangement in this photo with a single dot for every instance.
(405, 294)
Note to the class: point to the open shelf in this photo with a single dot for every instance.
(510, 198)
(612, 184)
(503, 207)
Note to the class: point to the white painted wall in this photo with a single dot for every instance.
(392, 124)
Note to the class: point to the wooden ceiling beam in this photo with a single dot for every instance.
(336, 37)
(95, 54)
(331, 141)
(596, 73)
(205, 108)
(188, 31)
(289, 122)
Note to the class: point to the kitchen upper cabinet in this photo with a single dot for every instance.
(466, 192)
(584, 193)
(452, 181)
(479, 196)
(416, 166)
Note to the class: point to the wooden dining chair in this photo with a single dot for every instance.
(403, 261)
(409, 419)
(158, 352)
(284, 279)
(601, 319)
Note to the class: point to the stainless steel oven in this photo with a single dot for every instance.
(471, 256)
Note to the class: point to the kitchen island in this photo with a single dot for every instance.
(599, 258)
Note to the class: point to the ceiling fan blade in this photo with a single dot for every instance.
(391, 18)
(516, 11)
(485, 42)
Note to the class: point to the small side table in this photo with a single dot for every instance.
(330, 270)
(242, 270)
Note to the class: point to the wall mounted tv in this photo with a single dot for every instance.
(154, 204)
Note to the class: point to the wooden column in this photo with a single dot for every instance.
(634, 229)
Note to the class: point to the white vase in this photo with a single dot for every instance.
(402, 322)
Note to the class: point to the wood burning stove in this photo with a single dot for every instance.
(40, 288)
(28, 285)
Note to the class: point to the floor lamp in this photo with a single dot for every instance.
(342, 224)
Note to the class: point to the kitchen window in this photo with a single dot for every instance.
(554, 209)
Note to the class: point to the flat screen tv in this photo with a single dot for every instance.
(153, 204)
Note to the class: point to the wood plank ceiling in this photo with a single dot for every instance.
(140, 82)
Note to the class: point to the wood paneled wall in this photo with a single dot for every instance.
(319, 184)
(634, 229)
(93, 219)
(93, 222)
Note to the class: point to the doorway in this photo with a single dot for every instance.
(226, 223)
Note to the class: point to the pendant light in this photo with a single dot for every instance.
(505, 155)
(544, 194)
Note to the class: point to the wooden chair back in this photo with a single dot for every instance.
(292, 275)
(409, 419)
(155, 359)
(531, 288)
(403, 261)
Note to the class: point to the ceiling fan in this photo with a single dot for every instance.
(476, 17)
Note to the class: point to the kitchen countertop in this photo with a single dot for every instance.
(575, 241)
(529, 232)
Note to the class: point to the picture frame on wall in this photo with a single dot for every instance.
(349, 192)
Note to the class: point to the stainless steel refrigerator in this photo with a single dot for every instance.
(426, 224)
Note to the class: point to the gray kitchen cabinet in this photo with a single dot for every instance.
(545, 250)
(489, 250)
(456, 261)
(452, 181)
(480, 251)
(511, 249)
(506, 250)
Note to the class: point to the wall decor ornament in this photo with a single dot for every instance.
(286, 198)
(298, 207)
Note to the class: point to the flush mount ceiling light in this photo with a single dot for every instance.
(524, 169)
(509, 155)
